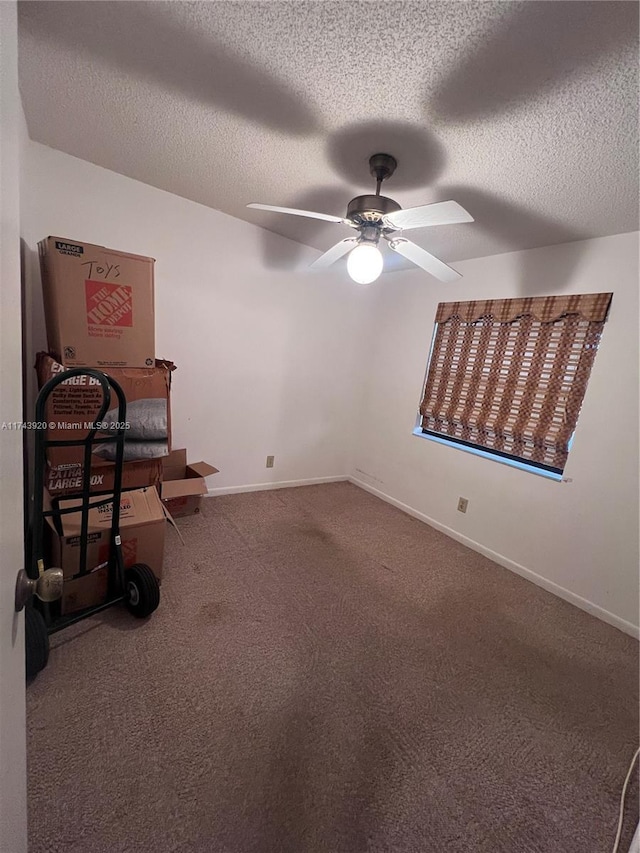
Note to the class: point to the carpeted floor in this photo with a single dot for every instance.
(326, 674)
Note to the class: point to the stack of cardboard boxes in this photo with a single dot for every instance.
(99, 312)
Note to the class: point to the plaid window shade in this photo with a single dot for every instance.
(509, 376)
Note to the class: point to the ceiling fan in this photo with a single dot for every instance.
(375, 217)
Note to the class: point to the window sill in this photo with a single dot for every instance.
(512, 463)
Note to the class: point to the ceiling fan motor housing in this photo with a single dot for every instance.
(366, 209)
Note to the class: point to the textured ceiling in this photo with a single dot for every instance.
(526, 113)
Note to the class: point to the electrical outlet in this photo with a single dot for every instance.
(270, 460)
(463, 503)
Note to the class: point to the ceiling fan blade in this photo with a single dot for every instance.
(327, 217)
(424, 259)
(334, 253)
(440, 213)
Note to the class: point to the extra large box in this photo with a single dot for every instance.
(142, 529)
(183, 485)
(98, 303)
(75, 404)
(135, 475)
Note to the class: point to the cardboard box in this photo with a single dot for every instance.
(75, 405)
(83, 592)
(98, 303)
(142, 529)
(183, 485)
(135, 475)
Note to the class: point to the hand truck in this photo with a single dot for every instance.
(40, 589)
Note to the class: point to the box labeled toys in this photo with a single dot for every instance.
(98, 303)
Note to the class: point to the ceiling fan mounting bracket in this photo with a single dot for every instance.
(382, 166)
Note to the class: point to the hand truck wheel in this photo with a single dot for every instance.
(141, 589)
(36, 641)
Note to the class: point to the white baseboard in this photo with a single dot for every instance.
(550, 586)
(283, 484)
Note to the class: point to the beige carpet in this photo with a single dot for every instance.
(326, 674)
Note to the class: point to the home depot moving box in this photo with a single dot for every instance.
(98, 303)
(183, 485)
(75, 404)
(142, 527)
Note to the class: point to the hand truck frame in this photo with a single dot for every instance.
(137, 586)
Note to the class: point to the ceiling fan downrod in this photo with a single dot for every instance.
(368, 209)
(382, 166)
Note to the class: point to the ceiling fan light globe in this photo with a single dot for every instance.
(364, 263)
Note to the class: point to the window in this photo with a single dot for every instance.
(508, 376)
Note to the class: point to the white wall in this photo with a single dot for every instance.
(13, 789)
(265, 355)
(580, 537)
